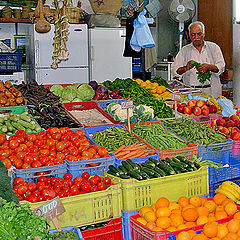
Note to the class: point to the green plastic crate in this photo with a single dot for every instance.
(136, 194)
(14, 109)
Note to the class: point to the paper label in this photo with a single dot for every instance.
(127, 104)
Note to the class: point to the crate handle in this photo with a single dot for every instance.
(77, 106)
(216, 149)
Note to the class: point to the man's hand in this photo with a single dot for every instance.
(207, 67)
(184, 69)
(189, 65)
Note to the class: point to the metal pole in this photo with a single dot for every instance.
(143, 64)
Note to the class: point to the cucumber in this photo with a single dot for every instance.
(176, 165)
(166, 168)
(147, 165)
(160, 171)
(148, 162)
(127, 165)
(181, 158)
(134, 165)
(2, 120)
(157, 174)
(197, 165)
(155, 161)
(123, 169)
(144, 175)
(185, 160)
(148, 171)
(184, 165)
(4, 129)
(136, 175)
(113, 173)
(114, 169)
(124, 176)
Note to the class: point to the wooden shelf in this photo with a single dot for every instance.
(123, 23)
(14, 20)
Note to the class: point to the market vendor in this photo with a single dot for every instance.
(206, 53)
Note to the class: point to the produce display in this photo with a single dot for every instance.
(36, 94)
(194, 132)
(160, 81)
(137, 113)
(113, 138)
(230, 126)
(53, 115)
(132, 151)
(158, 137)
(9, 95)
(91, 117)
(153, 168)
(13, 122)
(47, 188)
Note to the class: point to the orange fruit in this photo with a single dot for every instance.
(237, 215)
(222, 231)
(153, 207)
(219, 198)
(162, 202)
(143, 210)
(171, 229)
(238, 233)
(200, 236)
(186, 207)
(192, 233)
(210, 205)
(219, 208)
(224, 203)
(181, 226)
(231, 236)
(190, 214)
(176, 219)
(220, 215)
(202, 220)
(142, 220)
(233, 225)
(230, 208)
(157, 229)
(183, 201)
(190, 224)
(203, 200)
(211, 219)
(210, 229)
(163, 212)
(150, 216)
(195, 201)
(150, 225)
(163, 222)
(215, 238)
(183, 236)
(177, 211)
(173, 205)
(202, 211)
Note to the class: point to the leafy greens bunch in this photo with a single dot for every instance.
(202, 77)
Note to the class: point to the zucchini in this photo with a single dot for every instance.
(134, 165)
(9, 126)
(136, 175)
(166, 168)
(24, 116)
(127, 165)
(17, 125)
(123, 169)
(26, 124)
(124, 176)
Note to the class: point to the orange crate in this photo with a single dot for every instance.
(192, 149)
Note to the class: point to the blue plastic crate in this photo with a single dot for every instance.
(30, 175)
(219, 152)
(104, 103)
(126, 224)
(77, 168)
(11, 62)
(73, 229)
(137, 68)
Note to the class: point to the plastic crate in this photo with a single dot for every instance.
(88, 208)
(136, 194)
(219, 152)
(13, 109)
(81, 106)
(30, 174)
(11, 62)
(207, 119)
(112, 231)
(104, 103)
(73, 229)
(236, 147)
(188, 152)
(126, 224)
(225, 173)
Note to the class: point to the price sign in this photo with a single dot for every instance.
(175, 97)
(51, 209)
(127, 104)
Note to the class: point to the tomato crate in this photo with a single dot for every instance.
(188, 152)
(126, 224)
(207, 119)
(236, 147)
(136, 194)
(88, 208)
(72, 229)
(112, 231)
(32, 174)
(87, 105)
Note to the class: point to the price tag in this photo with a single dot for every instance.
(127, 104)
(50, 209)
(175, 97)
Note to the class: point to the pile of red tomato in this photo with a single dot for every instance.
(47, 148)
(47, 188)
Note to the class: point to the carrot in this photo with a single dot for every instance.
(144, 154)
(138, 154)
(129, 147)
(132, 154)
(135, 148)
(122, 154)
(119, 149)
(150, 153)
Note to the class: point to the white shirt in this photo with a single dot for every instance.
(210, 54)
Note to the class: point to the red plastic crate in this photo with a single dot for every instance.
(236, 147)
(112, 231)
(87, 105)
(207, 119)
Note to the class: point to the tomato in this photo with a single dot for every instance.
(35, 156)
(42, 179)
(57, 136)
(48, 193)
(36, 193)
(102, 151)
(41, 134)
(25, 166)
(41, 198)
(77, 143)
(22, 189)
(71, 158)
(54, 130)
(70, 182)
(26, 194)
(32, 137)
(87, 153)
(66, 190)
(29, 143)
(74, 190)
(17, 180)
(57, 185)
(28, 159)
(36, 164)
(60, 146)
(44, 146)
(62, 194)
(60, 155)
(81, 149)
(96, 156)
(86, 187)
(51, 142)
(85, 175)
(13, 144)
(94, 188)
(49, 163)
(74, 151)
(43, 160)
(92, 150)
(3, 138)
(74, 137)
(20, 133)
(101, 186)
(22, 146)
(58, 161)
(31, 186)
(67, 144)
(98, 178)
(86, 144)
(65, 137)
(80, 133)
(79, 179)
(95, 147)
(20, 139)
(18, 163)
(32, 198)
(65, 152)
(53, 180)
(77, 184)
(94, 180)
(5, 152)
(7, 163)
(44, 152)
(21, 154)
(38, 142)
(106, 181)
(67, 176)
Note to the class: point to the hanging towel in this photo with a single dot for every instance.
(142, 36)
(150, 58)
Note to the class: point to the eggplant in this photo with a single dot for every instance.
(94, 85)
(103, 89)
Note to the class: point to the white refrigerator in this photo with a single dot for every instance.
(73, 70)
(106, 54)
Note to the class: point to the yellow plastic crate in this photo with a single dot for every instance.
(88, 208)
(136, 194)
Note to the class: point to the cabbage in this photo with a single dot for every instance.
(85, 92)
(77, 100)
(69, 93)
(56, 89)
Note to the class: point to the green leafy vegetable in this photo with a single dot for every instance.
(65, 235)
(57, 90)
(202, 77)
(85, 92)
(69, 93)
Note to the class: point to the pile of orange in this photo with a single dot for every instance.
(171, 216)
(214, 231)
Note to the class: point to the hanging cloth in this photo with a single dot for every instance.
(142, 37)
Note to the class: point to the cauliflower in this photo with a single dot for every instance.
(147, 109)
